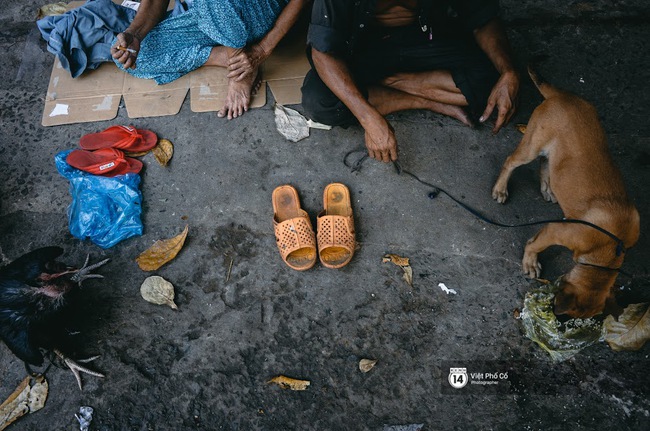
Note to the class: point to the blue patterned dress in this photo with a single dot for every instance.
(183, 43)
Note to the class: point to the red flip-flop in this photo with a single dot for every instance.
(107, 162)
(126, 138)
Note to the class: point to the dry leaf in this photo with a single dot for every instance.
(51, 9)
(25, 399)
(161, 252)
(159, 291)
(408, 275)
(402, 262)
(397, 260)
(138, 154)
(163, 152)
(632, 329)
(521, 127)
(289, 383)
(366, 365)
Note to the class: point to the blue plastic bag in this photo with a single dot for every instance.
(105, 209)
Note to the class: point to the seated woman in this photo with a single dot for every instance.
(237, 34)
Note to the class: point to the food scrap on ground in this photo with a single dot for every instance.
(561, 340)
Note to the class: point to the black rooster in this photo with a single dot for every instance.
(33, 291)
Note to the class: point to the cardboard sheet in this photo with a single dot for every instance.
(96, 95)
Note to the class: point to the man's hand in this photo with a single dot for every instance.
(380, 140)
(504, 95)
(128, 54)
(246, 61)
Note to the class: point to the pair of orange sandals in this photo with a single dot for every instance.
(295, 236)
(103, 153)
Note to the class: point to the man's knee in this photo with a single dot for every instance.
(321, 105)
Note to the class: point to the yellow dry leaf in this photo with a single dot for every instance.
(138, 154)
(402, 262)
(366, 365)
(521, 127)
(397, 260)
(631, 330)
(161, 252)
(289, 383)
(163, 152)
(25, 399)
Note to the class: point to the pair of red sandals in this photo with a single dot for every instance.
(103, 153)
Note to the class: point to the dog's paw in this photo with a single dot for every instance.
(500, 194)
(547, 193)
(531, 266)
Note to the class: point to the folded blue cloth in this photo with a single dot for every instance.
(82, 38)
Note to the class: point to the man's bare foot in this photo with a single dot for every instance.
(451, 111)
(388, 100)
(239, 96)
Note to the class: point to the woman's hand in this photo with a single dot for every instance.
(246, 61)
(126, 49)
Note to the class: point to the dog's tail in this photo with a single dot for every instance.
(545, 88)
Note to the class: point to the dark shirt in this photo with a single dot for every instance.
(337, 25)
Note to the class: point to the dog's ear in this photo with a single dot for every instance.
(564, 303)
(611, 305)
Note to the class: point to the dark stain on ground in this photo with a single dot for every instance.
(234, 241)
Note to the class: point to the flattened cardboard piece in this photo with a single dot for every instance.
(285, 70)
(94, 96)
(209, 89)
(145, 98)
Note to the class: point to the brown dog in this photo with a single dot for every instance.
(578, 173)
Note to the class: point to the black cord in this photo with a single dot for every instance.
(356, 166)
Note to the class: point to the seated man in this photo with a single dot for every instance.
(237, 34)
(370, 58)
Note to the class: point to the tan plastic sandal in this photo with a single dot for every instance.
(336, 241)
(293, 230)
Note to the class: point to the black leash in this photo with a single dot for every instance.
(620, 247)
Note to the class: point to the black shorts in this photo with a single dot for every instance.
(386, 51)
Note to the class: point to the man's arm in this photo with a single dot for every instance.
(149, 14)
(379, 135)
(492, 39)
(245, 61)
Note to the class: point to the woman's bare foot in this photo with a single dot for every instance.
(239, 96)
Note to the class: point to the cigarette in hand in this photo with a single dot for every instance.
(121, 48)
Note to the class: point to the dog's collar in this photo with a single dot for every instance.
(604, 268)
(620, 245)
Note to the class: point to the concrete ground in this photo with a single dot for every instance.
(244, 317)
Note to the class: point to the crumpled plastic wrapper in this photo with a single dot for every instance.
(292, 125)
(561, 340)
(84, 417)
